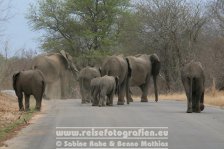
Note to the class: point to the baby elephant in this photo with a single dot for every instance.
(193, 80)
(30, 82)
(94, 89)
(104, 90)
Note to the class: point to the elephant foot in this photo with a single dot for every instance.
(202, 107)
(197, 110)
(130, 99)
(21, 109)
(46, 97)
(120, 103)
(83, 102)
(94, 104)
(37, 108)
(27, 109)
(189, 110)
(87, 101)
(144, 100)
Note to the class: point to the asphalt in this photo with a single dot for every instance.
(203, 130)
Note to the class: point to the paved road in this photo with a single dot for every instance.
(186, 131)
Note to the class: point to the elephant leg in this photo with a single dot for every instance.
(101, 101)
(20, 100)
(110, 99)
(202, 102)
(197, 102)
(38, 99)
(27, 102)
(186, 84)
(129, 95)
(88, 95)
(121, 95)
(103, 97)
(144, 89)
(47, 91)
(194, 101)
(83, 95)
(95, 98)
(62, 82)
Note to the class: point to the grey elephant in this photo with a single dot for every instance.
(54, 67)
(85, 76)
(118, 66)
(105, 87)
(142, 68)
(30, 82)
(193, 79)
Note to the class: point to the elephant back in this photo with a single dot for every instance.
(89, 73)
(115, 66)
(193, 70)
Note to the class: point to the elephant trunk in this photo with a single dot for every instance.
(155, 88)
(75, 71)
(155, 72)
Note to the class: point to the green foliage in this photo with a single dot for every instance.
(79, 25)
(92, 58)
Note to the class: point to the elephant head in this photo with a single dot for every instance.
(70, 65)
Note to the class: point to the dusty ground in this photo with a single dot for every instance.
(8, 110)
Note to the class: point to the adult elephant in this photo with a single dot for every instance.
(54, 67)
(30, 82)
(85, 76)
(143, 67)
(193, 79)
(118, 66)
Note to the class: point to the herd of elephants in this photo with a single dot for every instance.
(99, 85)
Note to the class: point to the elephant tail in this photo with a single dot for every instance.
(15, 78)
(43, 86)
(116, 84)
(191, 87)
(155, 72)
(128, 81)
(129, 68)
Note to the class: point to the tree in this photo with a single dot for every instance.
(4, 16)
(79, 25)
(171, 28)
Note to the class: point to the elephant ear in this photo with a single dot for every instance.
(155, 64)
(14, 78)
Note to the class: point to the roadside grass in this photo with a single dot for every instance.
(12, 120)
(11, 128)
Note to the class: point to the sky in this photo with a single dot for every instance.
(17, 31)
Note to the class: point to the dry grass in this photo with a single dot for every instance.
(212, 97)
(8, 110)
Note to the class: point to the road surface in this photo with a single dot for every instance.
(186, 131)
